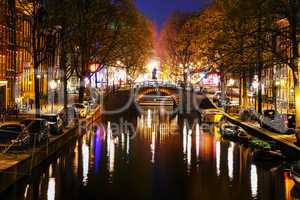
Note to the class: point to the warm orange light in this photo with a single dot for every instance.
(289, 184)
(93, 67)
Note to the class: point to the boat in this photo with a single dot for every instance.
(295, 172)
(243, 136)
(234, 132)
(296, 191)
(259, 144)
(275, 124)
(298, 138)
(268, 155)
(212, 115)
(229, 130)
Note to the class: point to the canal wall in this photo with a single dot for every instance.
(288, 148)
(14, 167)
(119, 103)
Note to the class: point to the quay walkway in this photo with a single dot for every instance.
(16, 165)
(287, 142)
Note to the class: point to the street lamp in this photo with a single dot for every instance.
(93, 69)
(119, 63)
(53, 87)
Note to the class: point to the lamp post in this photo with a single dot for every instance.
(53, 86)
(230, 84)
(93, 69)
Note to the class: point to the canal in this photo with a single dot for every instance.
(153, 156)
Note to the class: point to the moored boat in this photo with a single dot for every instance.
(212, 115)
(268, 155)
(243, 136)
(234, 132)
(229, 130)
(295, 172)
(296, 191)
(259, 144)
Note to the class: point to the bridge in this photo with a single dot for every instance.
(162, 92)
(152, 93)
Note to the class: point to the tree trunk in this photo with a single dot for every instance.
(245, 91)
(35, 42)
(222, 82)
(259, 62)
(81, 89)
(63, 67)
(241, 91)
(259, 92)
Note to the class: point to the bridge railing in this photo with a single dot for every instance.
(147, 84)
(155, 84)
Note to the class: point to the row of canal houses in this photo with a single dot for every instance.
(16, 59)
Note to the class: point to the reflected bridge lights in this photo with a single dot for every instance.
(197, 140)
(152, 147)
(189, 150)
(184, 138)
(110, 149)
(149, 119)
(85, 162)
(187, 145)
(125, 143)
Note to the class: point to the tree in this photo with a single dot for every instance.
(178, 45)
(244, 41)
(97, 24)
(135, 42)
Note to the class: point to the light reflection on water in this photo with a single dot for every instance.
(85, 161)
(51, 189)
(189, 151)
(152, 147)
(254, 181)
(167, 152)
(110, 149)
(230, 160)
(218, 156)
(197, 140)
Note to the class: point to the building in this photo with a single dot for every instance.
(24, 74)
(7, 51)
(16, 56)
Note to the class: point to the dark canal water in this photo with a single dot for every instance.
(167, 158)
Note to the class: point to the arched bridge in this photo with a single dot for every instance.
(152, 92)
(158, 89)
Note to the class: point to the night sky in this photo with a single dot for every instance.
(159, 10)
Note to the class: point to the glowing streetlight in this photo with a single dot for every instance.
(93, 67)
(255, 85)
(230, 82)
(119, 62)
(53, 85)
